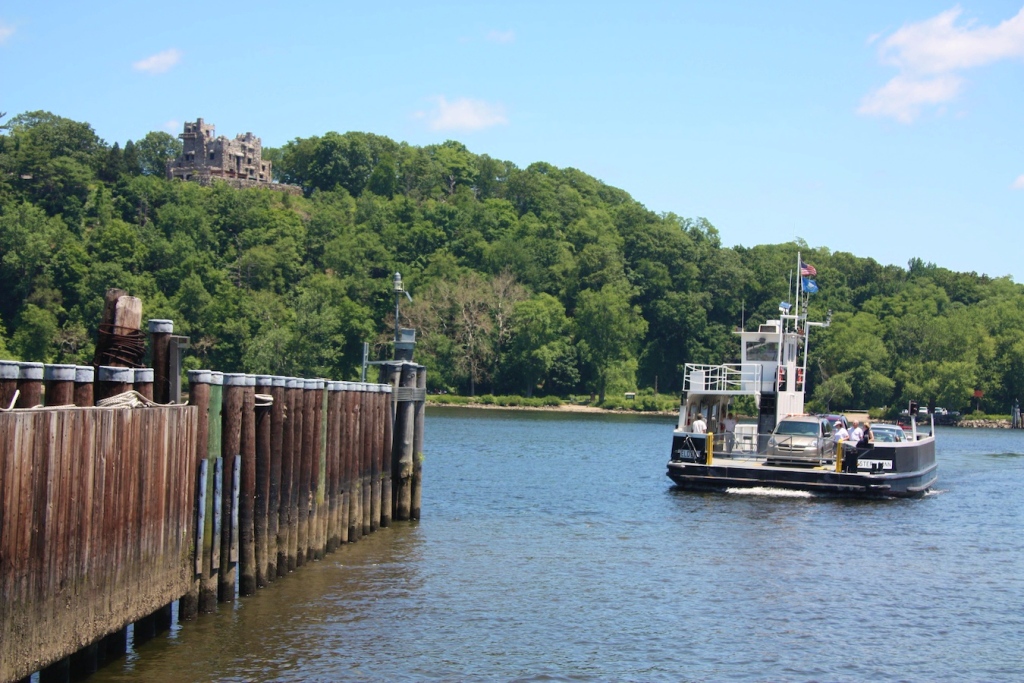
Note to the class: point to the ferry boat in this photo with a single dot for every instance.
(784, 448)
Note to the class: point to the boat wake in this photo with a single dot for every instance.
(770, 492)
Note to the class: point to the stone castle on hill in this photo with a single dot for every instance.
(239, 162)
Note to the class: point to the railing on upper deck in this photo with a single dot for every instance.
(729, 378)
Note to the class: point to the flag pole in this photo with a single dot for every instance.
(800, 286)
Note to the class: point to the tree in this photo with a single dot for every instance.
(35, 334)
(155, 150)
(609, 328)
(834, 390)
(539, 341)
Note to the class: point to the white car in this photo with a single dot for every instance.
(885, 433)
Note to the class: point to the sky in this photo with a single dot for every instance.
(891, 130)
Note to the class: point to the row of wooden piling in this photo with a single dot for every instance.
(28, 385)
(293, 468)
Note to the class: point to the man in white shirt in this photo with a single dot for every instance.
(699, 426)
(857, 434)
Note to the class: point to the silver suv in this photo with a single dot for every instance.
(801, 440)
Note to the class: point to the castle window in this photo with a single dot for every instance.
(213, 155)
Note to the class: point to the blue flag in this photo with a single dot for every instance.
(810, 286)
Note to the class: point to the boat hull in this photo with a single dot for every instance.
(886, 470)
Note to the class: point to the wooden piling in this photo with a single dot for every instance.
(295, 402)
(355, 523)
(115, 645)
(331, 534)
(315, 404)
(58, 672)
(402, 452)
(247, 493)
(144, 630)
(30, 385)
(84, 377)
(304, 452)
(264, 384)
(210, 579)
(198, 396)
(234, 396)
(287, 462)
(373, 451)
(367, 455)
(160, 332)
(85, 662)
(277, 428)
(345, 459)
(112, 381)
(417, 463)
(59, 383)
(164, 618)
(119, 342)
(144, 383)
(8, 383)
(307, 455)
(386, 502)
(319, 526)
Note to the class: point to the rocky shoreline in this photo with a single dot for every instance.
(984, 424)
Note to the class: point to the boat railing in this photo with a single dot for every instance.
(729, 378)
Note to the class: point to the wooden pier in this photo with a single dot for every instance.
(108, 515)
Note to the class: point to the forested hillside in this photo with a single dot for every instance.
(536, 280)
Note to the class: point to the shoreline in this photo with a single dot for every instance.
(576, 408)
(564, 408)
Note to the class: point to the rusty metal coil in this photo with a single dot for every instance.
(118, 349)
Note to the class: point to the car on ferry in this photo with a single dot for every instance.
(887, 433)
(801, 440)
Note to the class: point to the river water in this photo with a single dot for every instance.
(553, 548)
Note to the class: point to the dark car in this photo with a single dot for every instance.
(836, 418)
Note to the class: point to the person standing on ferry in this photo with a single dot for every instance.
(840, 433)
(699, 426)
(729, 426)
(857, 433)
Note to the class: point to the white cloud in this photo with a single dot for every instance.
(159, 63)
(902, 97)
(6, 31)
(929, 55)
(172, 126)
(464, 114)
(502, 37)
(1018, 184)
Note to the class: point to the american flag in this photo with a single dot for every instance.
(807, 270)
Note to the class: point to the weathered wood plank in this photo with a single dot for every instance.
(89, 538)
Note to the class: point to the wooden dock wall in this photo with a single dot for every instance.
(95, 525)
(109, 515)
